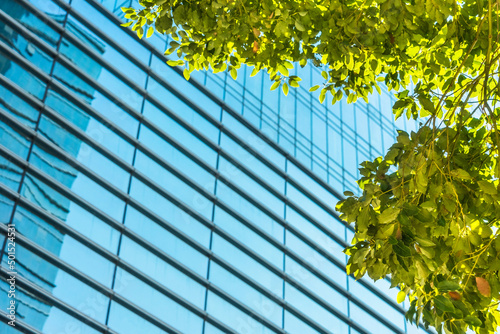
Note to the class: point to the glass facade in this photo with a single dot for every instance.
(146, 203)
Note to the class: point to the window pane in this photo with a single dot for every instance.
(157, 304)
(176, 105)
(17, 107)
(94, 128)
(294, 325)
(176, 158)
(85, 154)
(314, 311)
(315, 259)
(249, 211)
(315, 234)
(77, 182)
(122, 38)
(174, 185)
(251, 187)
(63, 246)
(124, 321)
(10, 174)
(230, 315)
(252, 163)
(246, 294)
(162, 272)
(247, 265)
(248, 237)
(377, 304)
(166, 241)
(21, 77)
(170, 212)
(5, 210)
(317, 286)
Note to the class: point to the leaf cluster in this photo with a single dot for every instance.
(428, 217)
(357, 43)
(428, 214)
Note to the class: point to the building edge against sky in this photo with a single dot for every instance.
(145, 203)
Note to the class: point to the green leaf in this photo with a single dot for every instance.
(294, 83)
(254, 72)
(275, 85)
(445, 286)
(127, 24)
(487, 187)
(444, 304)
(388, 215)
(127, 10)
(140, 32)
(473, 321)
(285, 89)
(186, 74)
(322, 95)
(426, 104)
(150, 32)
(421, 180)
(461, 174)
(401, 249)
(233, 72)
(401, 296)
(314, 88)
(283, 70)
(175, 62)
(425, 242)
(299, 26)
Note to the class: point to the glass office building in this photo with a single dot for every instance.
(144, 203)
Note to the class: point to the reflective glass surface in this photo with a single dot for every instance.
(145, 203)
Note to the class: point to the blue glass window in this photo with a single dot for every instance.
(246, 294)
(94, 128)
(124, 321)
(377, 304)
(101, 47)
(33, 23)
(168, 73)
(312, 257)
(249, 211)
(314, 311)
(247, 265)
(166, 241)
(174, 185)
(251, 162)
(21, 77)
(81, 151)
(10, 174)
(180, 134)
(63, 246)
(315, 211)
(294, 325)
(176, 158)
(17, 107)
(252, 188)
(170, 212)
(253, 140)
(5, 210)
(165, 274)
(235, 318)
(113, 31)
(181, 109)
(248, 237)
(155, 303)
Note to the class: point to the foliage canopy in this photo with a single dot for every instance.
(429, 212)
